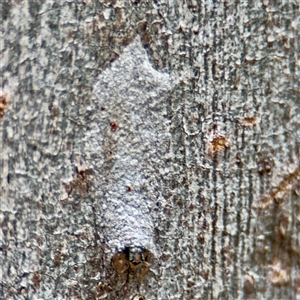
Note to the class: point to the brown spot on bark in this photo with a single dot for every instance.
(79, 183)
(249, 284)
(249, 121)
(54, 109)
(218, 144)
(113, 126)
(279, 191)
(3, 104)
(36, 281)
(265, 163)
(278, 276)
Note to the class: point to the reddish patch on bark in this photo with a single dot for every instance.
(113, 126)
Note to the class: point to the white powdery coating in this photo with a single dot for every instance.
(130, 97)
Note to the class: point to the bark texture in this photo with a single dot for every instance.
(166, 127)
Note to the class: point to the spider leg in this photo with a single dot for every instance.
(145, 270)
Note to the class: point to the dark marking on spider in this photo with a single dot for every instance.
(133, 261)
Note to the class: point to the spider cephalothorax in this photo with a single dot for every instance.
(134, 261)
(135, 255)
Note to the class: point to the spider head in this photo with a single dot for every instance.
(135, 255)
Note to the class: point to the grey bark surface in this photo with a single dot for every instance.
(171, 126)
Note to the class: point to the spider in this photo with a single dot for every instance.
(135, 261)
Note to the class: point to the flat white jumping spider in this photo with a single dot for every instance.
(133, 261)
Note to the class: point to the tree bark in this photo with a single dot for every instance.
(150, 150)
